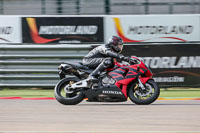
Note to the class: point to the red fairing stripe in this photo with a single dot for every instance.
(121, 70)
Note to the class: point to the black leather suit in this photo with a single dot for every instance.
(100, 55)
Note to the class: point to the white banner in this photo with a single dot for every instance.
(153, 28)
(10, 29)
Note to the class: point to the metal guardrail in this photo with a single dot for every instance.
(36, 65)
(81, 7)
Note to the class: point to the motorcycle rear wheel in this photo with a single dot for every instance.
(64, 98)
(139, 97)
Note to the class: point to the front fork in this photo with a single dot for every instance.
(140, 84)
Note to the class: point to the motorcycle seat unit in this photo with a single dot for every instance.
(79, 66)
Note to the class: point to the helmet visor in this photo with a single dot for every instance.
(120, 43)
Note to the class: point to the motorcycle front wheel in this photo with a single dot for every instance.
(70, 98)
(144, 97)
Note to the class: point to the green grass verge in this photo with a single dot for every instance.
(27, 93)
(180, 93)
(173, 93)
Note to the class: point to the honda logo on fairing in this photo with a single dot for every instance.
(112, 92)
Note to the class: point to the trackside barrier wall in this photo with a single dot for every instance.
(35, 65)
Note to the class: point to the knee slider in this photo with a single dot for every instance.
(108, 62)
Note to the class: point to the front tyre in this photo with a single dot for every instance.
(70, 98)
(144, 97)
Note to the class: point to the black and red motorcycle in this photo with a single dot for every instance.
(133, 80)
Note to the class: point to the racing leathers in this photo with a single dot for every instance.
(101, 58)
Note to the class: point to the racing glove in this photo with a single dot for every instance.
(124, 58)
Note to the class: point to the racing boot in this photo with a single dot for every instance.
(94, 75)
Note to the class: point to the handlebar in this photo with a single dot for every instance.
(134, 61)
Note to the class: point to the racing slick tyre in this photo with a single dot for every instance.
(144, 97)
(70, 97)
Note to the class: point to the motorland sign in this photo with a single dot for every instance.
(62, 29)
(154, 28)
(172, 62)
(10, 29)
(172, 65)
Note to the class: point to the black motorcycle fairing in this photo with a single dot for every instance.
(80, 66)
(110, 93)
(72, 69)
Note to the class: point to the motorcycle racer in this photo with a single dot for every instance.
(132, 80)
(102, 57)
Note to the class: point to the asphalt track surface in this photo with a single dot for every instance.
(50, 116)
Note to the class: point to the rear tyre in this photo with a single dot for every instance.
(70, 98)
(144, 97)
